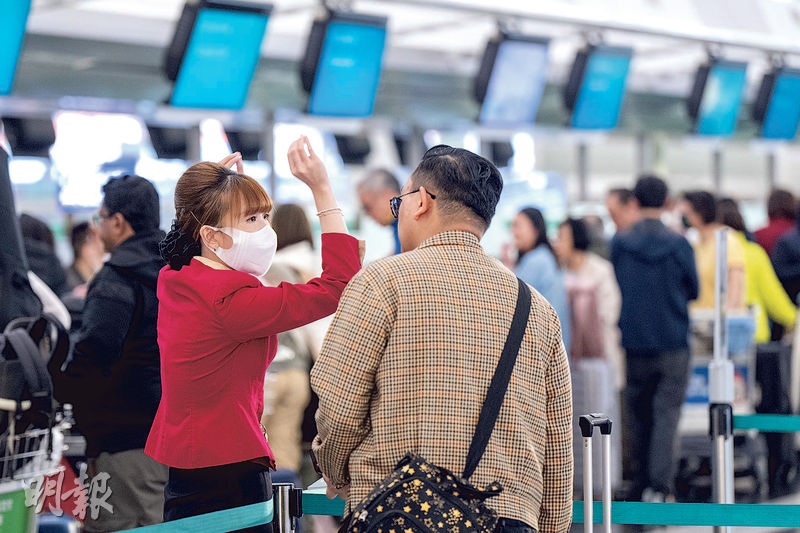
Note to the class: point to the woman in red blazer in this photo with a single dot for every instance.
(218, 326)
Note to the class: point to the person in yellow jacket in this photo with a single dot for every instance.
(765, 294)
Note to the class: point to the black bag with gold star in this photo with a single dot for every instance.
(420, 497)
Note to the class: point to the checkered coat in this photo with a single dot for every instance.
(407, 363)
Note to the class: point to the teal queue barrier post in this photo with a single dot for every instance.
(721, 385)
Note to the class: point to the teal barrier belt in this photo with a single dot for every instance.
(694, 514)
(768, 423)
(228, 520)
(657, 514)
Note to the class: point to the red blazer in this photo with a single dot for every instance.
(217, 332)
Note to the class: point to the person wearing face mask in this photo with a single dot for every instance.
(218, 327)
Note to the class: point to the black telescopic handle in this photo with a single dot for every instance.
(588, 422)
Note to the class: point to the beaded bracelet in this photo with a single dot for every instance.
(331, 210)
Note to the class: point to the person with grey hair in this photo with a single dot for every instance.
(374, 192)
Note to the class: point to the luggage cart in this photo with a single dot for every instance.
(694, 482)
(25, 456)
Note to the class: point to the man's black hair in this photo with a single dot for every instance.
(35, 229)
(625, 196)
(78, 236)
(580, 233)
(650, 192)
(459, 178)
(136, 199)
(704, 204)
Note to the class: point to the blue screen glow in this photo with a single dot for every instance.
(12, 30)
(516, 85)
(220, 60)
(603, 87)
(721, 98)
(783, 113)
(348, 71)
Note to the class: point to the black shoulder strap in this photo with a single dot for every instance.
(33, 367)
(499, 384)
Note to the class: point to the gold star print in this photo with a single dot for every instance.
(409, 530)
(456, 513)
(468, 523)
(405, 468)
(398, 494)
(428, 492)
(407, 509)
(380, 508)
(441, 525)
(425, 507)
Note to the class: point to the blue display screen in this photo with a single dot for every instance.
(220, 59)
(12, 29)
(783, 112)
(602, 89)
(721, 99)
(516, 84)
(348, 71)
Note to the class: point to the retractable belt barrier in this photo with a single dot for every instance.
(767, 423)
(664, 514)
(672, 514)
(256, 514)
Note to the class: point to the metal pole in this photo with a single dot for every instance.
(588, 484)
(772, 172)
(193, 152)
(716, 168)
(268, 151)
(721, 393)
(606, 482)
(583, 171)
(282, 516)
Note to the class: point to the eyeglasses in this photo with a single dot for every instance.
(97, 217)
(395, 202)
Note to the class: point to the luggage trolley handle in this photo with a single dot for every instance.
(587, 424)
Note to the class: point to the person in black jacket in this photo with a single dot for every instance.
(786, 260)
(657, 277)
(115, 367)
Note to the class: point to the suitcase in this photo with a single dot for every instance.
(587, 424)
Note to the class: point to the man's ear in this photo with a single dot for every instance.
(424, 203)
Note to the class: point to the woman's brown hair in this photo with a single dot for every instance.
(291, 225)
(204, 195)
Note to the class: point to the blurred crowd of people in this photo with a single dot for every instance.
(624, 306)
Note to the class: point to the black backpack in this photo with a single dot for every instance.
(26, 386)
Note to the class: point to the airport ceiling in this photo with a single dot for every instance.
(670, 37)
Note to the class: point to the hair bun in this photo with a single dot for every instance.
(178, 247)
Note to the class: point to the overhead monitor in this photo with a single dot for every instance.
(777, 106)
(342, 64)
(214, 53)
(511, 80)
(716, 96)
(596, 86)
(13, 19)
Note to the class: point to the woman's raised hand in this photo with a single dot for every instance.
(306, 166)
(234, 158)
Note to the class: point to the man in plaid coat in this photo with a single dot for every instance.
(412, 349)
